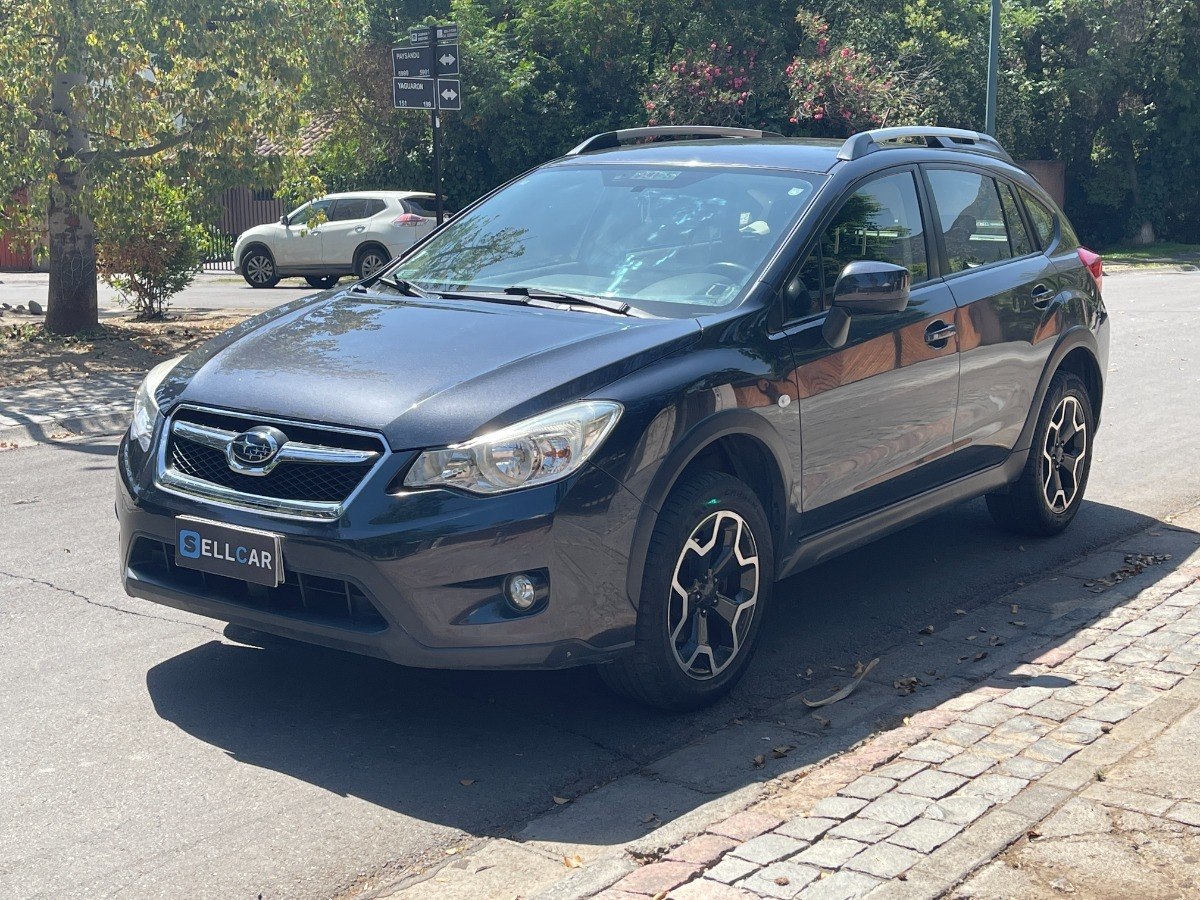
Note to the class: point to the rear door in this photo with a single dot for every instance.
(1007, 292)
(877, 414)
(342, 234)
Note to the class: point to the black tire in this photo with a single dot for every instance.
(258, 268)
(653, 672)
(1026, 506)
(370, 259)
(324, 282)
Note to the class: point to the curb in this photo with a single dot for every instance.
(101, 425)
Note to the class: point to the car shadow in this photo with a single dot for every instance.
(486, 751)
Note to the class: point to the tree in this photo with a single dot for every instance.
(89, 86)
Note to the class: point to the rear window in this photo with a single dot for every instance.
(1043, 218)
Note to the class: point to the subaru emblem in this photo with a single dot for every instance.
(252, 451)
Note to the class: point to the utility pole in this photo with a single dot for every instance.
(437, 161)
(993, 74)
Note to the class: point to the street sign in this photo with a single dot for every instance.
(414, 93)
(446, 60)
(447, 34)
(413, 62)
(449, 93)
(421, 34)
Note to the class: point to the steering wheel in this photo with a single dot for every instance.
(725, 268)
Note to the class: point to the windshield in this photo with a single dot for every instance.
(671, 240)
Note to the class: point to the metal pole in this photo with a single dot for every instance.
(437, 161)
(989, 118)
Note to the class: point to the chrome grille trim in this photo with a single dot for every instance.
(174, 482)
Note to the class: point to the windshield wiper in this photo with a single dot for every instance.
(536, 293)
(405, 287)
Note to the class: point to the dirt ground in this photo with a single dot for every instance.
(28, 355)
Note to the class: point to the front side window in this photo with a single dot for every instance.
(309, 211)
(880, 221)
(971, 217)
(672, 240)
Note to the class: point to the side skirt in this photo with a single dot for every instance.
(847, 536)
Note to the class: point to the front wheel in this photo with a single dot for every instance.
(707, 583)
(1046, 497)
(324, 282)
(258, 268)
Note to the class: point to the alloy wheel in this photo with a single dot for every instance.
(1063, 454)
(260, 268)
(371, 263)
(714, 593)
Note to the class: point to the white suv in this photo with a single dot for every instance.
(356, 235)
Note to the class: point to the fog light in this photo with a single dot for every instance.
(521, 592)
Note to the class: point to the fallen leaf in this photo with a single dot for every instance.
(573, 862)
(451, 851)
(560, 800)
(466, 782)
(781, 752)
(821, 720)
(648, 818)
(980, 655)
(1017, 622)
(759, 761)
(906, 685)
(782, 881)
(928, 629)
(1015, 608)
(844, 692)
(960, 612)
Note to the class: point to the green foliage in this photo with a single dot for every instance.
(150, 249)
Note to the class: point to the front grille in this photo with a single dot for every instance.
(313, 482)
(310, 481)
(313, 598)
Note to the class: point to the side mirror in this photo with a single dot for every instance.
(283, 220)
(868, 286)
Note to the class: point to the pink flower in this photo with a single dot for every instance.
(821, 45)
(793, 120)
(819, 114)
(650, 105)
(845, 53)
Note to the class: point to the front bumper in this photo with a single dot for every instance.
(423, 572)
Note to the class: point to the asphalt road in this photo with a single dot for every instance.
(144, 754)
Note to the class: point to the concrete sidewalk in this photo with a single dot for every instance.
(99, 404)
(1043, 745)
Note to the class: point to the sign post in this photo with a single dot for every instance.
(425, 75)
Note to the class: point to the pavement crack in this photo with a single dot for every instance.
(118, 609)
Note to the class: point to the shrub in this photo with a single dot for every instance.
(148, 247)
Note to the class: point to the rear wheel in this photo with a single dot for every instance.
(1046, 497)
(324, 282)
(258, 268)
(708, 579)
(369, 260)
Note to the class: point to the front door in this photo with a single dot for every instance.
(1006, 290)
(299, 243)
(876, 414)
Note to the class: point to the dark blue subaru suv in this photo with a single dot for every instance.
(597, 415)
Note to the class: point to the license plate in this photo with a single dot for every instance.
(226, 550)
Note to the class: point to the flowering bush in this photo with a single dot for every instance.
(841, 90)
(715, 86)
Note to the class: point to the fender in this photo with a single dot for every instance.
(256, 245)
(687, 448)
(1073, 337)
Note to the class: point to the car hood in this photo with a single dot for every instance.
(422, 372)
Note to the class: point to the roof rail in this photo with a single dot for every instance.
(859, 145)
(609, 139)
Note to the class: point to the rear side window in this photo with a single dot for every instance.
(1018, 236)
(880, 221)
(374, 208)
(971, 217)
(348, 208)
(1043, 219)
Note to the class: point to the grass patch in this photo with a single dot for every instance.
(1165, 253)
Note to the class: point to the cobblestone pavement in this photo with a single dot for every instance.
(44, 404)
(914, 811)
(1018, 713)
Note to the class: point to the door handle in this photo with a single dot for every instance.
(1042, 295)
(939, 333)
(360, 228)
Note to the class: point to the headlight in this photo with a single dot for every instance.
(145, 409)
(545, 448)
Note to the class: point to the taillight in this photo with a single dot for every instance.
(411, 220)
(1093, 263)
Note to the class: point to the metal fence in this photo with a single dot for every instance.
(241, 208)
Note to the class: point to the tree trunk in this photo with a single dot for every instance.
(71, 305)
